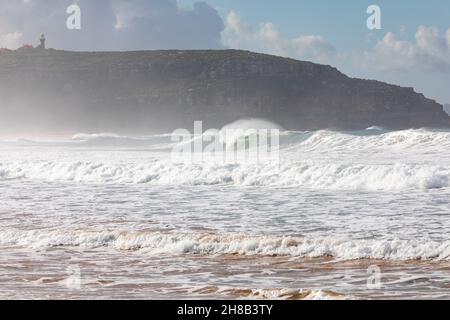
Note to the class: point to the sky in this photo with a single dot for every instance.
(412, 48)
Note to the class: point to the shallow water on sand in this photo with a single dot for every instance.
(127, 242)
(108, 274)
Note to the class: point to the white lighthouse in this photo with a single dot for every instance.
(42, 42)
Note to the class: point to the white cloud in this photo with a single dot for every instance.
(313, 46)
(267, 38)
(112, 24)
(11, 40)
(430, 51)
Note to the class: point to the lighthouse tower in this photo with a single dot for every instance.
(42, 44)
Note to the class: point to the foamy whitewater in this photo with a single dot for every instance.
(134, 223)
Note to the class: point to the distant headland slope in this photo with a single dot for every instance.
(158, 91)
(447, 108)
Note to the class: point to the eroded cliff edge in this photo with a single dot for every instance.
(158, 91)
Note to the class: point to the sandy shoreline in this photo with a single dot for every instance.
(76, 273)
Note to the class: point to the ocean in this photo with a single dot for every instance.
(341, 215)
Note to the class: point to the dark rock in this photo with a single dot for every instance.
(154, 91)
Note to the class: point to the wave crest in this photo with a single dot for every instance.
(289, 174)
(212, 244)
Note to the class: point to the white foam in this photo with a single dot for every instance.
(279, 294)
(375, 128)
(93, 136)
(213, 244)
(252, 124)
(397, 140)
(288, 174)
(323, 140)
(401, 160)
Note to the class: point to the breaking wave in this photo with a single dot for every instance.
(212, 244)
(289, 174)
(376, 138)
(368, 160)
(97, 140)
(323, 140)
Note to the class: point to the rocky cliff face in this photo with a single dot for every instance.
(143, 92)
